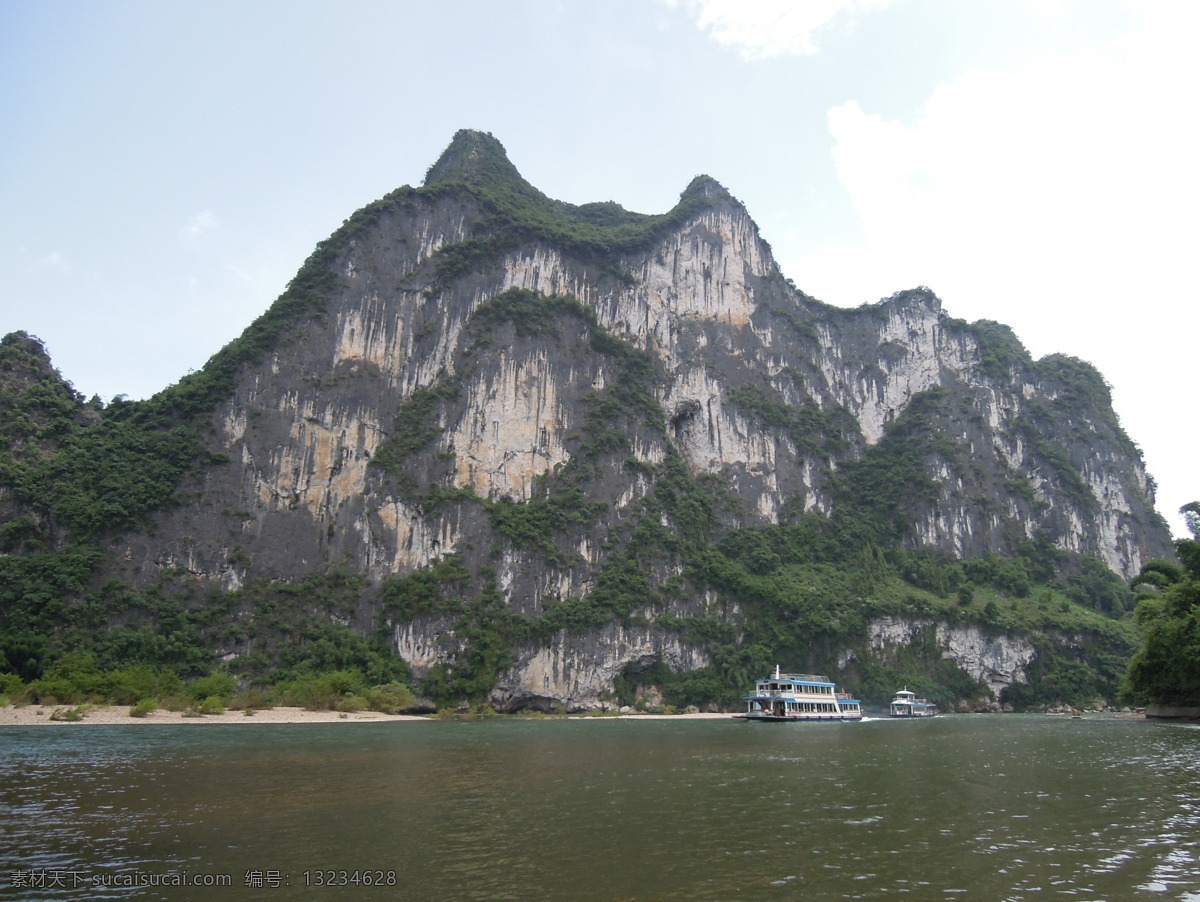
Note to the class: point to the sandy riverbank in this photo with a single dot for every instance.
(39, 715)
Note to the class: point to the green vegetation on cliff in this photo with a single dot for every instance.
(516, 213)
(1166, 669)
(81, 469)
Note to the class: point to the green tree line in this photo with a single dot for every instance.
(1166, 668)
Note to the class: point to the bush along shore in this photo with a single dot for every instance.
(110, 715)
(75, 691)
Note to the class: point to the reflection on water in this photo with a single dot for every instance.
(987, 808)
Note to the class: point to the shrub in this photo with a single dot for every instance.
(391, 698)
(10, 684)
(251, 700)
(130, 685)
(213, 704)
(349, 704)
(72, 715)
(321, 692)
(216, 685)
(143, 707)
(55, 691)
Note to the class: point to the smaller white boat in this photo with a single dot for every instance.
(906, 704)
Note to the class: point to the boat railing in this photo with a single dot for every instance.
(799, 690)
(806, 677)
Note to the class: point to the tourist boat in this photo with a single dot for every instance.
(906, 704)
(800, 696)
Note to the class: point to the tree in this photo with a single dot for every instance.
(1166, 670)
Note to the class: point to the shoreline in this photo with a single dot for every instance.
(118, 715)
(110, 715)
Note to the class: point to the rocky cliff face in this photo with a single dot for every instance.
(506, 380)
(997, 661)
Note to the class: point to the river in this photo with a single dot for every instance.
(978, 807)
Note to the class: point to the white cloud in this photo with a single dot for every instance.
(198, 226)
(1075, 175)
(765, 28)
(1057, 196)
(55, 260)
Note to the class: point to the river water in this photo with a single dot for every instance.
(978, 807)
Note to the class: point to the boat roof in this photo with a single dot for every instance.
(840, 701)
(813, 678)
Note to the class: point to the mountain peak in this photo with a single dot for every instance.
(707, 189)
(706, 186)
(472, 157)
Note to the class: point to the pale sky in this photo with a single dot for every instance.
(165, 168)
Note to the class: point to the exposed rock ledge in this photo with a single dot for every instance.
(999, 661)
(577, 671)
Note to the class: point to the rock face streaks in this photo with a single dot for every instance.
(708, 305)
(998, 661)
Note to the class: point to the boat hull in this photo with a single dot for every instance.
(801, 718)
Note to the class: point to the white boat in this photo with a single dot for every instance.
(800, 696)
(906, 704)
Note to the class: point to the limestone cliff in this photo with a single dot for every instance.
(570, 401)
